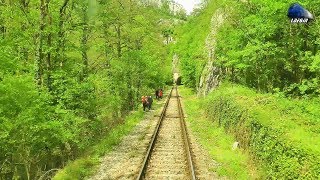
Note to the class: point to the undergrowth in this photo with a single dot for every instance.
(282, 134)
(86, 166)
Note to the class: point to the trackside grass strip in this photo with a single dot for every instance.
(233, 164)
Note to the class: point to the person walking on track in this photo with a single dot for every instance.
(150, 100)
(160, 93)
(144, 100)
(157, 94)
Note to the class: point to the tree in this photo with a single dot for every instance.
(68, 70)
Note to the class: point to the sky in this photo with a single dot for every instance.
(188, 4)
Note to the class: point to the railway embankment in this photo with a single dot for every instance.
(280, 135)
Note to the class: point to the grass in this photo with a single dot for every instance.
(234, 164)
(78, 169)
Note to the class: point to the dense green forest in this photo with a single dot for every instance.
(70, 71)
(269, 86)
(256, 45)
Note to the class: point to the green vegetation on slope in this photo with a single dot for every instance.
(282, 134)
(70, 71)
(256, 46)
(234, 164)
(260, 48)
(190, 45)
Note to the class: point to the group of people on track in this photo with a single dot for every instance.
(159, 94)
(148, 100)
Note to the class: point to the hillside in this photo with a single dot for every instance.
(70, 72)
(257, 77)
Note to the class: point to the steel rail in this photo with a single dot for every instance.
(185, 137)
(155, 135)
(153, 140)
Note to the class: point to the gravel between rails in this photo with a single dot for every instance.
(168, 159)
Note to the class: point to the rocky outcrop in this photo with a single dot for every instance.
(175, 69)
(210, 76)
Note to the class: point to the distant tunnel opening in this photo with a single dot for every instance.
(177, 78)
(179, 81)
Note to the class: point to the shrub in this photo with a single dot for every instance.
(273, 133)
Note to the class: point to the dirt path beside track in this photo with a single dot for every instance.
(125, 160)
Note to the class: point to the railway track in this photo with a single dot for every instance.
(169, 154)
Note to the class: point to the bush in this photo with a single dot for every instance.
(35, 134)
(278, 132)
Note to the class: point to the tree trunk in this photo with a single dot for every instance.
(61, 41)
(49, 44)
(24, 48)
(84, 44)
(118, 29)
(40, 56)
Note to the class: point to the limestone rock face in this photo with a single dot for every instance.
(175, 69)
(175, 77)
(210, 76)
(209, 79)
